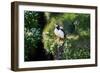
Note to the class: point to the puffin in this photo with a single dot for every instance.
(59, 32)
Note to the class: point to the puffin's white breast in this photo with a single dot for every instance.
(61, 34)
(56, 32)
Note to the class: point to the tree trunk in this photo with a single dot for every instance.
(59, 52)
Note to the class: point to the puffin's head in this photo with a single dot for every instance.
(57, 26)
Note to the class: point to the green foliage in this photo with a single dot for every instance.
(39, 26)
(76, 53)
(77, 29)
(32, 33)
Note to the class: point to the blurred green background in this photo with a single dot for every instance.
(40, 40)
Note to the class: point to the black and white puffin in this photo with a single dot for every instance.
(59, 32)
